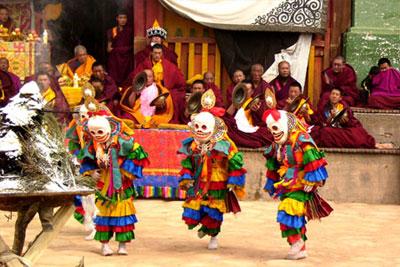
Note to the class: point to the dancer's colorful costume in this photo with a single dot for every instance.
(212, 172)
(295, 169)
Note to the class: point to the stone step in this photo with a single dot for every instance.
(355, 175)
(383, 125)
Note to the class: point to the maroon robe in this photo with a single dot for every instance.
(229, 92)
(351, 135)
(281, 88)
(16, 80)
(346, 80)
(8, 88)
(9, 24)
(385, 90)
(61, 103)
(219, 101)
(145, 53)
(120, 60)
(173, 81)
(109, 94)
(257, 116)
(313, 117)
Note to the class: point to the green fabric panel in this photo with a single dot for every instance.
(294, 231)
(70, 133)
(299, 195)
(73, 145)
(125, 194)
(311, 155)
(209, 231)
(138, 154)
(187, 163)
(124, 237)
(79, 217)
(84, 152)
(216, 194)
(272, 164)
(192, 226)
(236, 162)
(103, 236)
(125, 146)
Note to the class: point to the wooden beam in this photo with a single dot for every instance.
(44, 238)
(310, 91)
(5, 251)
(191, 61)
(204, 58)
(217, 67)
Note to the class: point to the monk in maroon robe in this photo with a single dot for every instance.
(54, 96)
(107, 93)
(4, 66)
(168, 75)
(261, 137)
(257, 70)
(281, 84)
(209, 80)
(347, 132)
(340, 75)
(120, 47)
(7, 89)
(5, 19)
(385, 87)
(156, 35)
(237, 77)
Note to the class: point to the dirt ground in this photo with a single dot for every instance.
(354, 235)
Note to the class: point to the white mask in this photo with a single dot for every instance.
(202, 126)
(99, 128)
(83, 113)
(279, 128)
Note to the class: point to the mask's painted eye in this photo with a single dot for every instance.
(93, 132)
(204, 127)
(196, 126)
(100, 132)
(274, 128)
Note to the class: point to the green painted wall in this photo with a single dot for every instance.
(375, 34)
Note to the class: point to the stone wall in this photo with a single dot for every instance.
(353, 177)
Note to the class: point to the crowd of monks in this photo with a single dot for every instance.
(163, 99)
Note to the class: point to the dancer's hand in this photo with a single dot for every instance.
(189, 185)
(308, 188)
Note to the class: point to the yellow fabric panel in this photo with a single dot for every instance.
(73, 95)
(247, 113)
(219, 172)
(178, 51)
(191, 60)
(214, 204)
(311, 78)
(204, 58)
(217, 67)
(119, 209)
(292, 207)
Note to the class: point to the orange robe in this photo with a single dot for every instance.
(67, 69)
(163, 116)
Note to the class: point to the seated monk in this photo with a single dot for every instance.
(241, 127)
(237, 77)
(167, 75)
(281, 84)
(5, 20)
(304, 111)
(4, 66)
(7, 89)
(55, 98)
(156, 35)
(197, 86)
(138, 107)
(257, 70)
(366, 85)
(385, 87)
(209, 81)
(347, 132)
(110, 92)
(339, 75)
(81, 64)
(120, 47)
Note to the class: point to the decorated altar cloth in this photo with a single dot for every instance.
(24, 56)
(160, 178)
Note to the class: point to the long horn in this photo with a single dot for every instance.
(140, 81)
(239, 95)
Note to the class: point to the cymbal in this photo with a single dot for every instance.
(160, 98)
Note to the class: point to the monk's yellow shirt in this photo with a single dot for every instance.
(158, 71)
(247, 113)
(49, 95)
